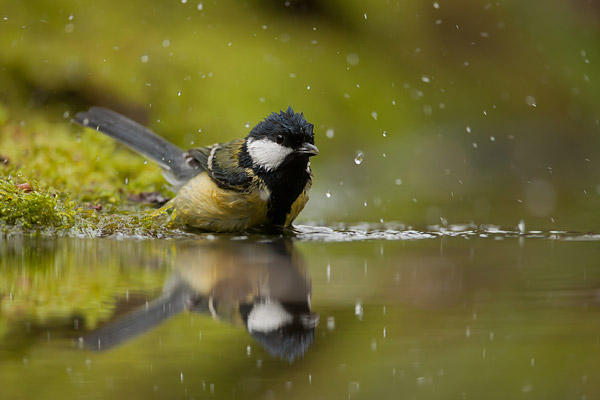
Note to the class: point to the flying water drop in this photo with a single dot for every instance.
(359, 158)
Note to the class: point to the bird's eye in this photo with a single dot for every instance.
(279, 139)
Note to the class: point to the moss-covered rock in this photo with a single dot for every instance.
(56, 181)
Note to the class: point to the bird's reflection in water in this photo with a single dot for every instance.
(264, 286)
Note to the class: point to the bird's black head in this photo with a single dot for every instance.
(281, 138)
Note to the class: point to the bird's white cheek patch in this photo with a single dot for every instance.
(267, 154)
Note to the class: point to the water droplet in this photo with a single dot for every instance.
(398, 181)
(436, 5)
(468, 129)
(492, 139)
(530, 101)
(521, 226)
(359, 158)
(365, 15)
(328, 195)
(358, 310)
(69, 28)
(200, 6)
(384, 134)
(374, 115)
(352, 59)
(329, 133)
(330, 323)
(179, 93)
(144, 58)
(247, 125)
(425, 79)
(166, 43)
(183, 1)
(527, 388)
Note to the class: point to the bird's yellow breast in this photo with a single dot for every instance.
(297, 206)
(201, 203)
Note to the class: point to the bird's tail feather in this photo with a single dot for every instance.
(141, 139)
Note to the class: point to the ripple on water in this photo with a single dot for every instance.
(351, 234)
(395, 231)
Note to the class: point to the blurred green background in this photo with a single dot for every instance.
(426, 112)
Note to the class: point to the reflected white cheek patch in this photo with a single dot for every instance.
(267, 154)
(267, 317)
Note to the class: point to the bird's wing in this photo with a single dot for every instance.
(222, 164)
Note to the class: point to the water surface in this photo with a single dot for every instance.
(335, 312)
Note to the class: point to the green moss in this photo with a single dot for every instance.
(78, 183)
(31, 209)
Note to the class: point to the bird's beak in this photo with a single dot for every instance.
(307, 149)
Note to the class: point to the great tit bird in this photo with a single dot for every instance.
(261, 180)
(263, 286)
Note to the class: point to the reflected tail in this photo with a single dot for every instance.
(139, 321)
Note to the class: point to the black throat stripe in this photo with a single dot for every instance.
(285, 184)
